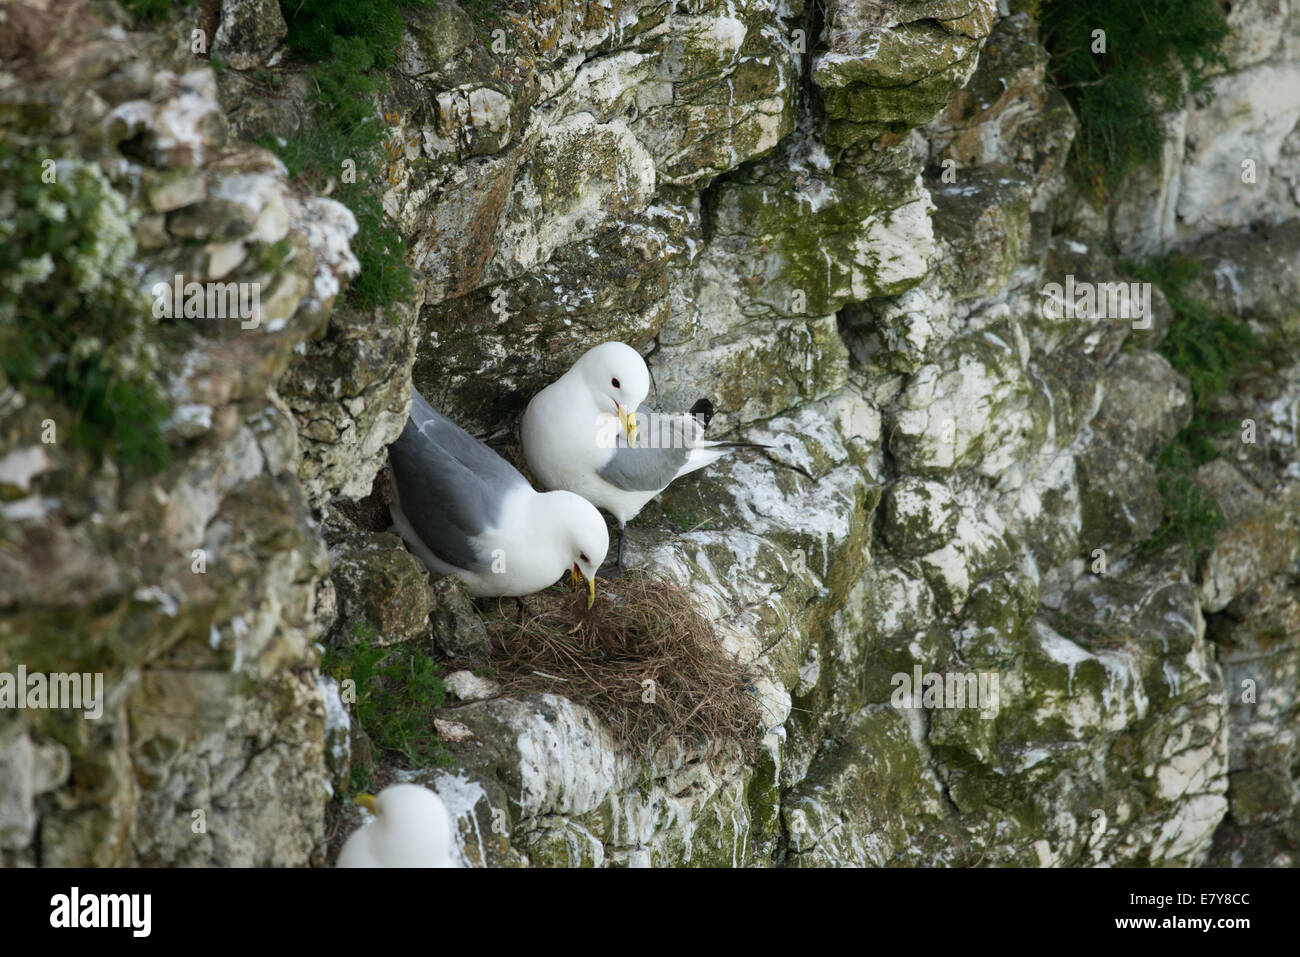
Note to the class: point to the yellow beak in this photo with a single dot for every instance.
(628, 421)
(367, 801)
(575, 577)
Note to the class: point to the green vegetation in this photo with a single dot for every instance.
(319, 28)
(1213, 350)
(1155, 52)
(349, 43)
(483, 13)
(155, 11)
(398, 688)
(71, 323)
(1024, 6)
(1191, 515)
(361, 780)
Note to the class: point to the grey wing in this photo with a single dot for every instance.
(451, 486)
(663, 445)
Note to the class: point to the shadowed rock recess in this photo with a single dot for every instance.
(837, 220)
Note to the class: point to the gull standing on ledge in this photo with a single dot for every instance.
(466, 511)
(588, 432)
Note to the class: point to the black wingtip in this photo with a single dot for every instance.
(703, 408)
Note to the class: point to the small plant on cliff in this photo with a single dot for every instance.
(1123, 64)
(484, 13)
(72, 326)
(348, 44)
(1213, 350)
(1191, 515)
(317, 26)
(155, 11)
(397, 690)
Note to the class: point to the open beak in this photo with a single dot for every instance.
(367, 801)
(628, 421)
(575, 579)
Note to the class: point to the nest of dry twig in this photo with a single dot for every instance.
(642, 658)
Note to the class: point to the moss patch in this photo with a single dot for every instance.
(72, 327)
(1213, 350)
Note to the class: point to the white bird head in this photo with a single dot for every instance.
(618, 380)
(411, 829)
(584, 534)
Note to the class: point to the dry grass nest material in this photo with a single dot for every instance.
(641, 629)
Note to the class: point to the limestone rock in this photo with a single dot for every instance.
(249, 32)
(381, 584)
(890, 66)
(1119, 501)
(920, 516)
(1258, 682)
(457, 630)
(1260, 538)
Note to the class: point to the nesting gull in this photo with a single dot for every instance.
(589, 433)
(466, 511)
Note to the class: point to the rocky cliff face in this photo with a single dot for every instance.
(839, 221)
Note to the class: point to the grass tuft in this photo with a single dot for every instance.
(1156, 51)
(348, 45)
(398, 689)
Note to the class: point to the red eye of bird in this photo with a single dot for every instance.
(614, 383)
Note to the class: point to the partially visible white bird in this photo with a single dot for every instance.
(589, 433)
(466, 511)
(411, 828)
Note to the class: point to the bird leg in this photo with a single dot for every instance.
(615, 570)
(524, 609)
